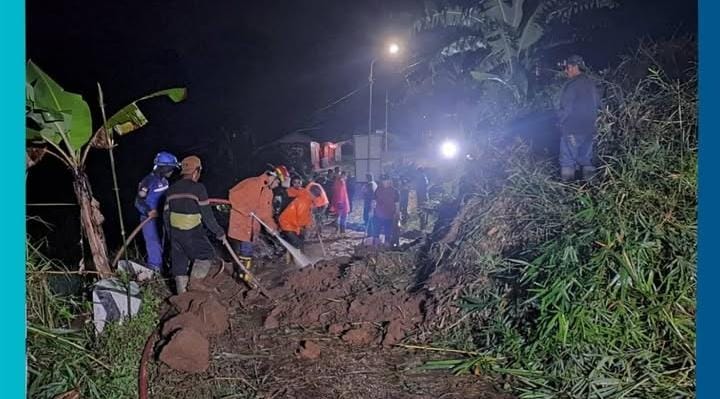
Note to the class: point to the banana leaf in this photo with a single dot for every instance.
(59, 115)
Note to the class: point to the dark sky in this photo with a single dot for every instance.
(260, 66)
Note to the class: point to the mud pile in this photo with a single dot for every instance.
(357, 300)
(200, 315)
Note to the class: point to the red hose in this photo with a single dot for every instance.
(142, 372)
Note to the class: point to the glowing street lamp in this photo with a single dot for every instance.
(393, 49)
(449, 149)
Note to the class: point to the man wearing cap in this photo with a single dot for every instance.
(579, 105)
(187, 209)
(151, 191)
(253, 195)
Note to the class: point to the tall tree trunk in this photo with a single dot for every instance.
(91, 219)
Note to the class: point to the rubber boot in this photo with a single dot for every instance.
(588, 172)
(567, 173)
(181, 284)
(247, 262)
(200, 268)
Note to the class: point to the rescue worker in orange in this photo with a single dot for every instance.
(298, 216)
(320, 202)
(252, 195)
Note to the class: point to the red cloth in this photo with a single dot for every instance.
(340, 201)
(386, 198)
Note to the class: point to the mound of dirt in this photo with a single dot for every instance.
(200, 315)
(200, 311)
(188, 351)
(332, 294)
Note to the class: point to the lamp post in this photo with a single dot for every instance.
(393, 49)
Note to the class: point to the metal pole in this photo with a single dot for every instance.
(371, 80)
(387, 102)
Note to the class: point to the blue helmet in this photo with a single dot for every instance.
(166, 159)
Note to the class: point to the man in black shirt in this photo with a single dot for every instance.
(187, 209)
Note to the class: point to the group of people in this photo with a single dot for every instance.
(187, 214)
(385, 206)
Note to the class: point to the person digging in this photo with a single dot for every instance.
(253, 195)
(187, 211)
(297, 217)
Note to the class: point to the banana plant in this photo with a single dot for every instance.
(503, 35)
(59, 124)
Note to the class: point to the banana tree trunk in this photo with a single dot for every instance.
(91, 219)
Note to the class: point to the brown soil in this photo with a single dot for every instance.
(188, 351)
(330, 332)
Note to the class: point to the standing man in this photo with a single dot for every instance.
(386, 206)
(579, 104)
(252, 195)
(340, 202)
(368, 193)
(187, 209)
(150, 194)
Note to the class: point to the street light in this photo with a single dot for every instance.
(393, 49)
(449, 149)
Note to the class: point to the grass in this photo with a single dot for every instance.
(64, 356)
(587, 290)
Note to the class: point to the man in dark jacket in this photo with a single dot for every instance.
(579, 104)
(187, 210)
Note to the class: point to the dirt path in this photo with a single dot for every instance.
(330, 334)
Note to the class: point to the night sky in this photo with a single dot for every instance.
(258, 67)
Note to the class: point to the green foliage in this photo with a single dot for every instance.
(130, 118)
(63, 356)
(502, 36)
(62, 119)
(55, 115)
(588, 291)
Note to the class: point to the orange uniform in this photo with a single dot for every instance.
(297, 215)
(250, 195)
(318, 202)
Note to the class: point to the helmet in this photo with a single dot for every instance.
(165, 159)
(281, 172)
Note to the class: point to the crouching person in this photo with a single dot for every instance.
(187, 210)
(298, 216)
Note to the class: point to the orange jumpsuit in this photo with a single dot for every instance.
(298, 215)
(250, 195)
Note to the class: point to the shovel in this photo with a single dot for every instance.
(251, 279)
(300, 259)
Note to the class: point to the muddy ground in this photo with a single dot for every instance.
(331, 331)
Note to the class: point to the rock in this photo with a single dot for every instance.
(394, 334)
(188, 351)
(308, 350)
(206, 316)
(337, 328)
(364, 335)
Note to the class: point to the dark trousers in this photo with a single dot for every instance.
(242, 248)
(576, 150)
(296, 240)
(188, 246)
(367, 207)
(382, 226)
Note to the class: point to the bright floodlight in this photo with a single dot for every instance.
(393, 48)
(449, 149)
